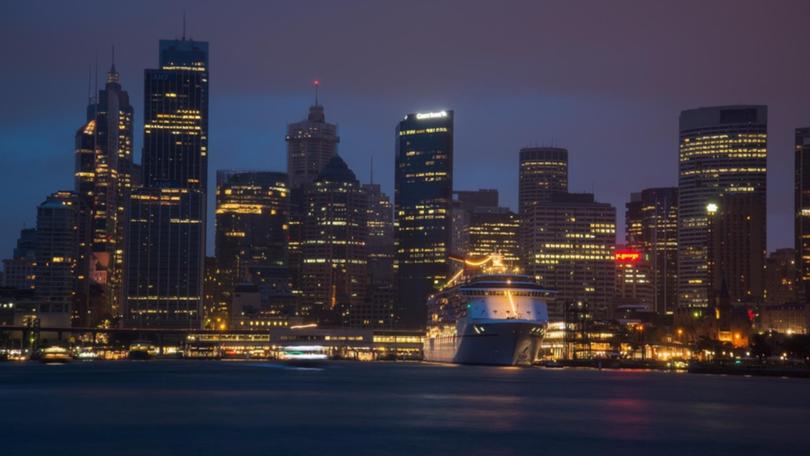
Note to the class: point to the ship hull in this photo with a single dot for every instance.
(492, 342)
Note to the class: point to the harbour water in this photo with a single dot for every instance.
(219, 408)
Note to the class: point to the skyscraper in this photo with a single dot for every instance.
(252, 216)
(311, 143)
(103, 177)
(423, 198)
(378, 310)
(651, 223)
(801, 203)
(723, 150)
(737, 250)
(62, 255)
(543, 171)
(571, 244)
(334, 274)
(165, 263)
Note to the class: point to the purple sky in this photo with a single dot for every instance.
(606, 79)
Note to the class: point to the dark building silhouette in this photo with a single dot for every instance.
(571, 243)
(378, 309)
(217, 294)
(801, 203)
(19, 271)
(165, 260)
(423, 201)
(252, 216)
(335, 261)
(723, 151)
(651, 227)
(737, 248)
(780, 277)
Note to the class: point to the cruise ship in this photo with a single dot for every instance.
(494, 319)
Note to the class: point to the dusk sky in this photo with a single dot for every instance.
(605, 79)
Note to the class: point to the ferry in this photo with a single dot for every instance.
(55, 355)
(303, 355)
(492, 318)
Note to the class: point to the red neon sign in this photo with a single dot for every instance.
(627, 256)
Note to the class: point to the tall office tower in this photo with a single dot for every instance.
(167, 230)
(572, 242)
(62, 256)
(723, 150)
(252, 217)
(651, 228)
(378, 310)
(801, 202)
(737, 249)
(311, 143)
(543, 171)
(20, 270)
(494, 230)
(780, 277)
(423, 199)
(103, 177)
(335, 263)
(164, 256)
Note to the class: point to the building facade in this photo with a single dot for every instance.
(378, 311)
(736, 253)
(723, 150)
(801, 201)
(651, 227)
(166, 257)
(62, 260)
(252, 218)
(311, 143)
(423, 201)
(542, 172)
(494, 230)
(571, 244)
(780, 277)
(335, 261)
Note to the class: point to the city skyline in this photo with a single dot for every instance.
(576, 113)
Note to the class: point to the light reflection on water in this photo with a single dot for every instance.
(393, 408)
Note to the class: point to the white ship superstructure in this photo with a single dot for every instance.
(496, 319)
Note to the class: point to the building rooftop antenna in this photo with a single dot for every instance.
(316, 84)
(371, 171)
(184, 25)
